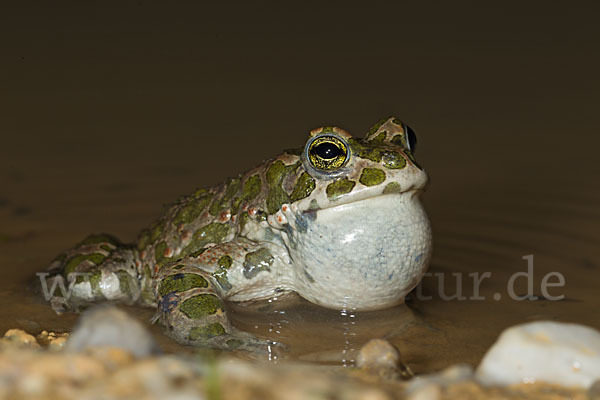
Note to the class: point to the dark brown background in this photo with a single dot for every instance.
(110, 109)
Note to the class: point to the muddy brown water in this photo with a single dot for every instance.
(109, 112)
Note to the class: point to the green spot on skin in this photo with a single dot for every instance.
(143, 240)
(392, 187)
(124, 282)
(106, 248)
(225, 262)
(179, 266)
(327, 129)
(235, 205)
(220, 275)
(274, 172)
(374, 128)
(250, 190)
(304, 187)
(200, 306)
(207, 332)
(148, 296)
(365, 150)
(399, 140)
(275, 175)
(233, 186)
(397, 121)
(73, 262)
(393, 160)
(180, 283)
(339, 188)
(192, 210)
(372, 176)
(95, 277)
(256, 261)
(159, 252)
(215, 206)
(156, 230)
(211, 233)
(244, 218)
(101, 238)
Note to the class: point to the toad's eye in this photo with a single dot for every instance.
(411, 138)
(327, 153)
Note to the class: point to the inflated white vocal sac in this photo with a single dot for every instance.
(553, 352)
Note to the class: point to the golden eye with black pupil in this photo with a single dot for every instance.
(327, 153)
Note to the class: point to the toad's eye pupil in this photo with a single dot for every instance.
(327, 151)
(412, 138)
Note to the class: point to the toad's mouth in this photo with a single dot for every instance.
(405, 195)
(407, 183)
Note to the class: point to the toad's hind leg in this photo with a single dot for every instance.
(99, 268)
(191, 308)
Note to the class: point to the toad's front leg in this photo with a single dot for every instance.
(190, 295)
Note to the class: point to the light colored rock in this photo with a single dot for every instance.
(242, 380)
(450, 376)
(19, 338)
(378, 353)
(52, 340)
(380, 357)
(111, 327)
(57, 343)
(430, 391)
(553, 352)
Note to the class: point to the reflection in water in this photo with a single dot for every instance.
(348, 325)
(276, 328)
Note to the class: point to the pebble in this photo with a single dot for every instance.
(19, 338)
(543, 351)
(52, 340)
(106, 326)
(380, 357)
(430, 386)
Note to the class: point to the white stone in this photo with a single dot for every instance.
(109, 326)
(554, 352)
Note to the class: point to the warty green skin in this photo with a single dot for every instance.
(241, 240)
